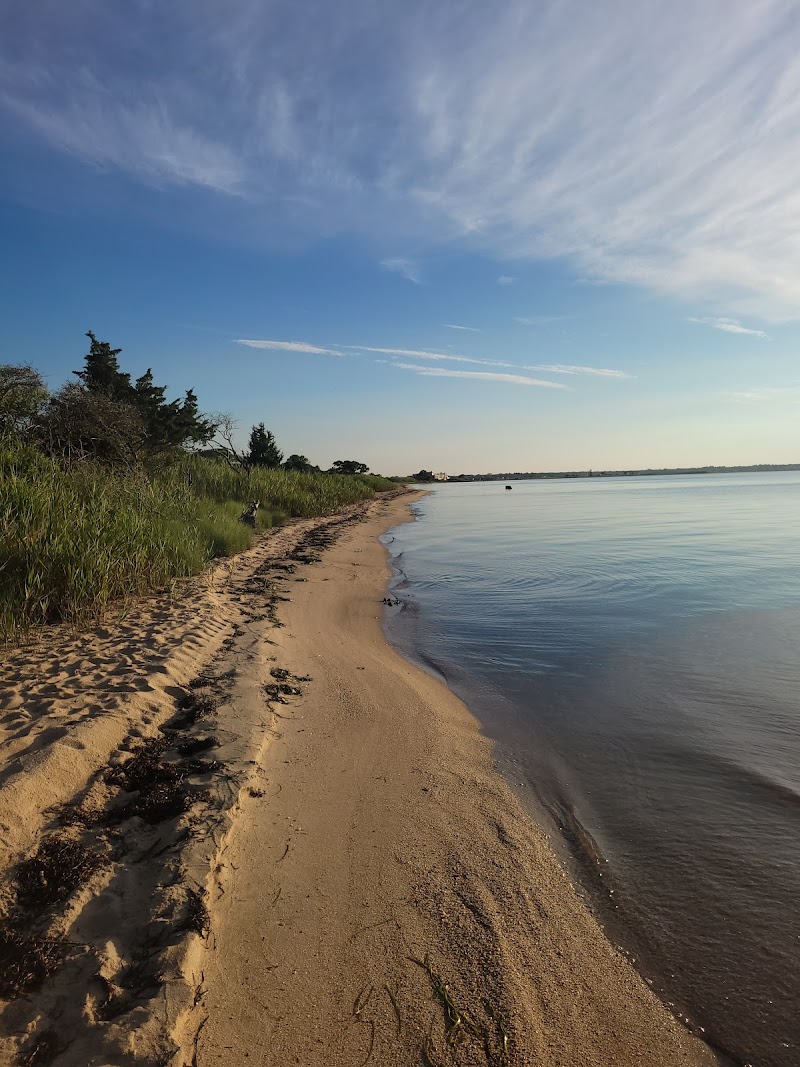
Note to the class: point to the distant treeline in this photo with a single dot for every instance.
(649, 472)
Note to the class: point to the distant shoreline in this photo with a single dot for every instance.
(755, 468)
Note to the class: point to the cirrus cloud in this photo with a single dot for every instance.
(607, 136)
(568, 368)
(487, 376)
(731, 326)
(288, 346)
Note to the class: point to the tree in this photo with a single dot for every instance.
(263, 450)
(101, 373)
(423, 476)
(297, 463)
(349, 466)
(165, 426)
(78, 423)
(22, 396)
(173, 424)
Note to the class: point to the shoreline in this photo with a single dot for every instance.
(390, 837)
(349, 877)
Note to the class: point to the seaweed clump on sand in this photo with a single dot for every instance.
(196, 917)
(59, 866)
(160, 787)
(26, 960)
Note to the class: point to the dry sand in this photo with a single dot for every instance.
(353, 883)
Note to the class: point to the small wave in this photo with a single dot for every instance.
(736, 771)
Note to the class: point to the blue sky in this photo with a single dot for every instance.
(461, 236)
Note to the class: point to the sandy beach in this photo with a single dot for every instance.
(338, 874)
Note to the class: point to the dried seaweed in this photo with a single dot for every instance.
(145, 767)
(27, 960)
(59, 866)
(202, 766)
(198, 744)
(162, 800)
(196, 917)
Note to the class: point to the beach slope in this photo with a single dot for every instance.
(383, 898)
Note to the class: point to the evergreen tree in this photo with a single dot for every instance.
(194, 427)
(101, 373)
(263, 450)
(166, 425)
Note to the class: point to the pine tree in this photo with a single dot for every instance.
(195, 428)
(166, 426)
(263, 450)
(101, 373)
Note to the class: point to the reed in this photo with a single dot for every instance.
(73, 539)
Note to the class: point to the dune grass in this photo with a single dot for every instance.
(75, 539)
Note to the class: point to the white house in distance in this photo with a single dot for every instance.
(440, 477)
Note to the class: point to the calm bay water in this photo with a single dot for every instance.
(633, 644)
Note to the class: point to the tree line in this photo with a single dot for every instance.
(107, 416)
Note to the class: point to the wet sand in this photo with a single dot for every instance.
(346, 878)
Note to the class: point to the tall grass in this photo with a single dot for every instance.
(74, 539)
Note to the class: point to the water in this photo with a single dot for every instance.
(632, 643)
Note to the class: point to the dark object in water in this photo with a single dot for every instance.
(508, 487)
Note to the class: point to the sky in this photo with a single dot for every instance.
(450, 235)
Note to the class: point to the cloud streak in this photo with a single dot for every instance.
(760, 394)
(455, 326)
(567, 368)
(288, 346)
(423, 353)
(731, 326)
(487, 376)
(539, 320)
(439, 357)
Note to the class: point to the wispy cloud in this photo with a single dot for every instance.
(759, 394)
(731, 326)
(455, 326)
(567, 368)
(489, 376)
(539, 320)
(505, 279)
(143, 138)
(423, 353)
(288, 346)
(406, 268)
(653, 162)
(438, 357)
